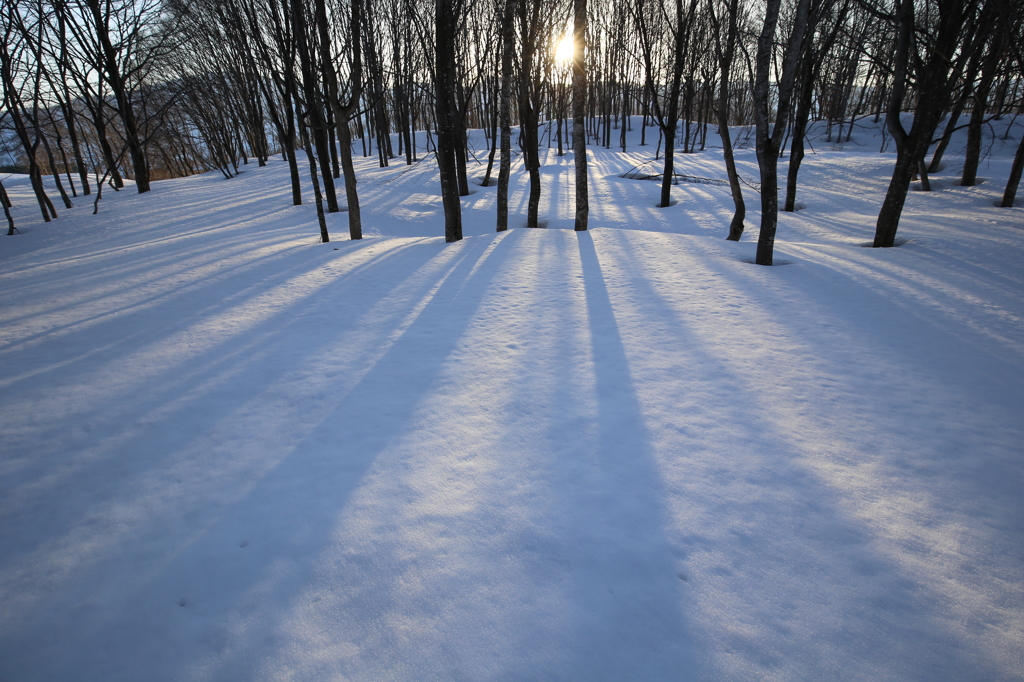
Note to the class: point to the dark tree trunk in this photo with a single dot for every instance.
(947, 133)
(725, 60)
(119, 88)
(54, 170)
(505, 110)
(446, 23)
(1014, 180)
(972, 155)
(343, 111)
(668, 173)
(6, 201)
(76, 149)
(933, 92)
(11, 229)
(312, 114)
(460, 158)
(579, 104)
(796, 149)
(494, 149)
(529, 105)
(321, 220)
(769, 138)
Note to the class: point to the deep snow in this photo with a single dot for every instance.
(230, 452)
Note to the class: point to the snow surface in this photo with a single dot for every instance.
(232, 453)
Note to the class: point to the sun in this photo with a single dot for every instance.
(565, 50)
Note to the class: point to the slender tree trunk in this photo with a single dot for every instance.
(669, 170)
(6, 201)
(505, 110)
(293, 171)
(529, 104)
(76, 149)
(972, 155)
(321, 219)
(494, 149)
(460, 158)
(53, 167)
(343, 111)
(355, 222)
(1014, 180)
(947, 133)
(725, 60)
(122, 96)
(796, 150)
(314, 113)
(444, 36)
(579, 104)
(100, 123)
(769, 138)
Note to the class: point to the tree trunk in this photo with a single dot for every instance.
(314, 114)
(1014, 180)
(494, 149)
(355, 222)
(796, 150)
(460, 156)
(55, 171)
(933, 91)
(505, 110)
(445, 24)
(947, 134)
(669, 168)
(5, 200)
(725, 60)
(343, 111)
(529, 106)
(972, 155)
(118, 87)
(321, 220)
(579, 104)
(769, 140)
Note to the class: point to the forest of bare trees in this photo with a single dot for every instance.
(97, 91)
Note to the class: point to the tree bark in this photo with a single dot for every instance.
(972, 155)
(933, 92)
(445, 25)
(1010, 193)
(122, 96)
(508, 41)
(725, 60)
(312, 114)
(579, 104)
(343, 111)
(769, 138)
(11, 229)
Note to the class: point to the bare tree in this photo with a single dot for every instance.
(771, 121)
(345, 108)
(947, 33)
(447, 14)
(726, 55)
(508, 46)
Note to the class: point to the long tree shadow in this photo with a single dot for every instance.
(150, 473)
(174, 310)
(631, 580)
(835, 491)
(230, 585)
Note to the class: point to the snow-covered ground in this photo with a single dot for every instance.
(230, 452)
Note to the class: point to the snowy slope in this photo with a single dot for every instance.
(232, 453)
